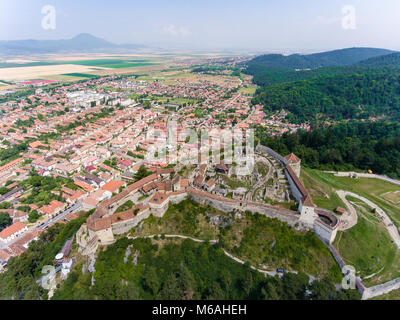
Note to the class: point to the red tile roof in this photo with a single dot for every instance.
(11, 230)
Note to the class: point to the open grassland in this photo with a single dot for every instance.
(321, 184)
(249, 91)
(323, 193)
(368, 247)
(81, 75)
(392, 196)
(126, 65)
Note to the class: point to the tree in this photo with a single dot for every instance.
(171, 289)
(151, 280)
(269, 292)
(5, 220)
(322, 290)
(142, 173)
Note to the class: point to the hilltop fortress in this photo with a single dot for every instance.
(165, 186)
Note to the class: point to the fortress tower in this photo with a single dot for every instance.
(295, 163)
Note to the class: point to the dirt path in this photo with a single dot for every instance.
(350, 219)
(265, 272)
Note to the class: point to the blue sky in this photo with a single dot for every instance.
(268, 25)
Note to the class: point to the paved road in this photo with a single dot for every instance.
(59, 217)
(365, 175)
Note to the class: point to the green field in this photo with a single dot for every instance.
(126, 65)
(249, 238)
(101, 62)
(323, 193)
(322, 186)
(81, 75)
(248, 91)
(28, 64)
(392, 196)
(368, 247)
(105, 63)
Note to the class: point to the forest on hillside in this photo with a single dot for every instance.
(386, 60)
(355, 96)
(343, 146)
(186, 271)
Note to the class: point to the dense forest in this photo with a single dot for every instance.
(344, 146)
(269, 76)
(355, 96)
(386, 60)
(342, 57)
(185, 271)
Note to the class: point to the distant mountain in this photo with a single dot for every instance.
(81, 42)
(392, 59)
(340, 57)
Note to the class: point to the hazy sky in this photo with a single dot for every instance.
(280, 25)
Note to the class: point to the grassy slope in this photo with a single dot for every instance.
(251, 239)
(371, 189)
(368, 247)
(293, 250)
(361, 245)
(323, 193)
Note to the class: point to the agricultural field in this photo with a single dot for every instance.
(38, 72)
(81, 75)
(79, 66)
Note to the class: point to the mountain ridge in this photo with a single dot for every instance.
(81, 42)
(339, 57)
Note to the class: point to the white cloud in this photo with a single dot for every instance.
(176, 31)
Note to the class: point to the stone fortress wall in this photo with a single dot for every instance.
(324, 222)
